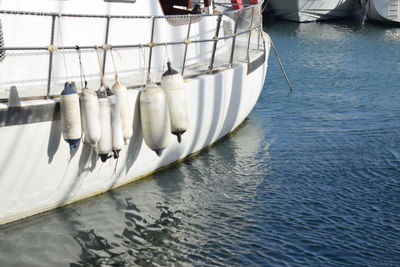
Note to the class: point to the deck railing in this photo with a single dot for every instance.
(247, 22)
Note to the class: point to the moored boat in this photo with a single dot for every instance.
(312, 10)
(222, 56)
(383, 11)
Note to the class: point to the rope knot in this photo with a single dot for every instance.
(107, 47)
(52, 48)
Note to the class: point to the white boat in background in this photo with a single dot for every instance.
(312, 10)
(222, 56)
(384, 11)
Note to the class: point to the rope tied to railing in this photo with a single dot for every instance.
(166, 58)
(62, 45)
(82, 73)
(113, 61)
(103, 85)
(143, 57)
(166, 51)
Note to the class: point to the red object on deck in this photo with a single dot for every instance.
(238, 4)
(254, 2)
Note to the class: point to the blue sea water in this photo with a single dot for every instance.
(312, 178)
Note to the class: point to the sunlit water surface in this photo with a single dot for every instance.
(311, 178)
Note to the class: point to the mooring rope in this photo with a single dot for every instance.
(264, 6)
(281, 66)
(365, 12)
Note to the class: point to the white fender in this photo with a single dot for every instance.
(116, 128)
(89, 104)
(155, 118)
(70, 116)
(121, 94)
(174, 86)
(104, 146)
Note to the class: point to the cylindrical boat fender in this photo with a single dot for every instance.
(174, 86)
(155, 118)
(104, 146)
(70, 116)
(121, 94)
(116, 128)
(89, 104)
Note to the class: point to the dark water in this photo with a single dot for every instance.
(311, 179)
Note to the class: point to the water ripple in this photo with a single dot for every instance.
(310, 179)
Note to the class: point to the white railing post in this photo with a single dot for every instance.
(210, 68)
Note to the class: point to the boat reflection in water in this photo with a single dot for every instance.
(312, 10)
(164, 219)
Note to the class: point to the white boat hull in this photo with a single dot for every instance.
(38, 171)
(312, 10)
(384, 11)
(49, 176)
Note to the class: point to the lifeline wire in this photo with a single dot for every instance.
(62, 44)
(280, 64)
